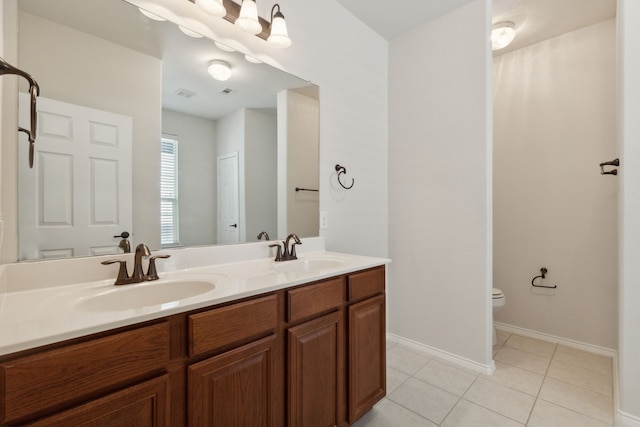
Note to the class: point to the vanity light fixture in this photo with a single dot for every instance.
(278, 35)
(219, 70)
(212, 7)
(245, 16)
(151, 15)
(502, 35)
(248, 19)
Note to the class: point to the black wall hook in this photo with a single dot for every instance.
(543, 274)
(614, 162)
(341, 170)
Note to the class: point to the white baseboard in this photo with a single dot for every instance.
(449, 357)
(555, 339)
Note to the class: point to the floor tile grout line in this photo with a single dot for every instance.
(412, 411)
(536, 397)
(574, 411)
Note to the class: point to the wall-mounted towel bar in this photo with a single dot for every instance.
(34, 91)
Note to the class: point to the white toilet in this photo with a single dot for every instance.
(498, 302)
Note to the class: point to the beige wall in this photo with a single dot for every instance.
(554, 122)
(298, 150)
(440, 181)
(261, 198)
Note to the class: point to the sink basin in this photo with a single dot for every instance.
(145, 294)
(308, 265)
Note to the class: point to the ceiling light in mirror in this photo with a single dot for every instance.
(248, 19)
(151, 15)
(212, 7)
(278, 36)
(219, 70)
(502, 35)
(189, 32)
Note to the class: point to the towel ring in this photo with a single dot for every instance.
(341, 170)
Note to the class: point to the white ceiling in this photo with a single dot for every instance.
(390, 18)
(535, 20)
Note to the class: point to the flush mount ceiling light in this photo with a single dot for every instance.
(278, 36)
(219, 70)
(502, 35)
(151, 15)
(248, 19)
(212, 7)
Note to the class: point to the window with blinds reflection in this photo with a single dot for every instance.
(169, 191)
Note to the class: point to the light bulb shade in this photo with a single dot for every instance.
(248, 19)
(212, 7)
(223, 46)
(189, 32)
(279, 37)
(219, 70)
(151, 15)
(502, 35)
(252, 59)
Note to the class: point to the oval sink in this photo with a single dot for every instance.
(307, 265)
(146, 294)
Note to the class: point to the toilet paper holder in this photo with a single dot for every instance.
(543, 274)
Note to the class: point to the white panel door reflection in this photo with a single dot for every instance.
(78, 194)
(228, 199)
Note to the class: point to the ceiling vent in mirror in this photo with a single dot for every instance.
(185, 93)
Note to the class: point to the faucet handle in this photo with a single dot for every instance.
(152, 272)
(292, 254)
(279, 252)
(123, 274)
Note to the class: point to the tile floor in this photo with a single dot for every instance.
(536, 384)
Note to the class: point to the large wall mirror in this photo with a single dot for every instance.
(134, 135)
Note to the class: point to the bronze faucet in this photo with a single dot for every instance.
(284, 254)
(138, 276)
(263, 234)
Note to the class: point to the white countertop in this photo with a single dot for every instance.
(44, 315)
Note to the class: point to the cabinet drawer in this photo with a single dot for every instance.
(228, 325)
(313, 299)
(366, 284)
(35, 384)
(142, 405)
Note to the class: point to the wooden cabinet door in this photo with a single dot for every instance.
(367, 350)
(315, 368)
(235, 388)
(142, 405)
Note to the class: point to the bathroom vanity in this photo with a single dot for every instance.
(304, 352)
